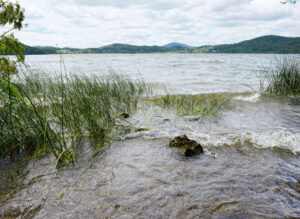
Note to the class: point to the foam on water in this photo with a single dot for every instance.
(247, 121)
(280, 139)
(265, 140)
(253, 98)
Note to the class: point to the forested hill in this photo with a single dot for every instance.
(40, 50)
(113, 48)
(264, 44)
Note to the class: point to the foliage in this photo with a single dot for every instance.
(11, 17)
(285, 78)
(290, 1)
(58, 115)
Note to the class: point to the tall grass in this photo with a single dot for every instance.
(285, 78)
(57, 114)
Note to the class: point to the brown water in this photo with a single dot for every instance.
(140, 178)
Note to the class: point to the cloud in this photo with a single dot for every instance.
(94, 23)
(154, 4)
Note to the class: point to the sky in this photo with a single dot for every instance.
(95, 23)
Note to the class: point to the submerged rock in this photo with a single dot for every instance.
(192, 118)
(142, 129)
(187, 146)
(124, 115)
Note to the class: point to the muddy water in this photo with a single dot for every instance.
(140, 178)
(250, 168)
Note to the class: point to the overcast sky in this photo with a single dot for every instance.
(94, 23)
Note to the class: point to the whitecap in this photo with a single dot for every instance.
(253, 98)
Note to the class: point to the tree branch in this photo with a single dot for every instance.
(7, 32)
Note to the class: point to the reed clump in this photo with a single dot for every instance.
(57, 114)
(192, 105)
(285, 78)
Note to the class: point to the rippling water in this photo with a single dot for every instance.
(184, 73)
(250, 169)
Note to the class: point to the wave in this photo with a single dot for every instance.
(253, 98)
(286, 140)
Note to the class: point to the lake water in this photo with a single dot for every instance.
(184, 73)
(250, 168)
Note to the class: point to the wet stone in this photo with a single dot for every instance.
(142, 129)
(124, 115)
(192, 118)
(187, 146)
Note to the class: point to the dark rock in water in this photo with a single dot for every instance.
(189, 152)
(142, 129)
(192, 118)
(124, 115)
(187, 146)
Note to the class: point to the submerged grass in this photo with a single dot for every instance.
(285, 78)
(193, 105)
(58, 114)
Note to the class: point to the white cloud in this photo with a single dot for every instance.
(94, 23)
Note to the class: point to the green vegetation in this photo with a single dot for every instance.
(264, 44)
(114, 48)
(11, 18)
(63, 113)
(290, 1)
(40, 50)
(193, 105)
(285, 78)
(58, 114)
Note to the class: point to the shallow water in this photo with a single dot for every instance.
(250, 168)
(141, 178)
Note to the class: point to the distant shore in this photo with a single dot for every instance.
(264, 44)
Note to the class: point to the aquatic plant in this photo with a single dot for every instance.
(284, 79)
(55, 113)
(192, 105)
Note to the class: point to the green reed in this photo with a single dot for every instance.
(57, 114)
(285, 78)
(61, 113)
(192, 105)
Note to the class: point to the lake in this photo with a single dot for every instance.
(251, 164)
(184, 73)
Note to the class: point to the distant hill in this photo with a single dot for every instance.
(264, 44)
(40, 50)
(113, 48)
(174, 44)
(125, 48)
